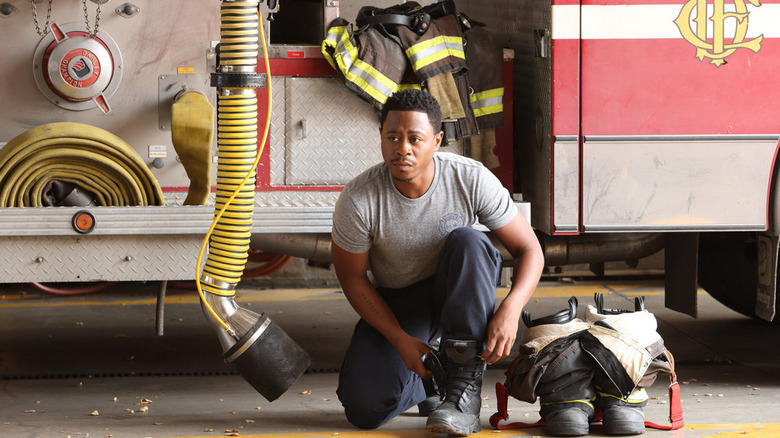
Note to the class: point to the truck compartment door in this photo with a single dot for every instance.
(679, 122)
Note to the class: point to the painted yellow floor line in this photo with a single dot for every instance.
(720, 430)
(565, 290)
(22, 299)
(270, 295)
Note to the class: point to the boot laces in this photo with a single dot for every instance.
(462, 377)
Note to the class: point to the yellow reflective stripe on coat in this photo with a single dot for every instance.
(487, 102)
(409, 87)
(435, 49)
(638, 396)
(355, 70)
(585, 402)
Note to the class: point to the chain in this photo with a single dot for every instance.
(38, 29)
(91, 33)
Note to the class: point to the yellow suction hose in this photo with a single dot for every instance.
(238, 155)
(87, 156)
(260, 350)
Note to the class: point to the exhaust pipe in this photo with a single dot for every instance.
(314, 247)
(592, 248)
(597, 248)
(261, 351)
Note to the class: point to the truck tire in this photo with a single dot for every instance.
(728, 269)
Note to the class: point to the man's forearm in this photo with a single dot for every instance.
(526, 272)
(367, 302)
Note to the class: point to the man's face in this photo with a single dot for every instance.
(408, 144)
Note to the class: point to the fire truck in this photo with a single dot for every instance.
(629, 127)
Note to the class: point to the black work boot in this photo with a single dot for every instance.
(459, 412)
(432, 398)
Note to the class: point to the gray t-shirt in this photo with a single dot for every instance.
(404, 236)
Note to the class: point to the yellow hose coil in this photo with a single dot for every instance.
(236, 221)
(85, 155)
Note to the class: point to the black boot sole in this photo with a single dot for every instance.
(443, 428)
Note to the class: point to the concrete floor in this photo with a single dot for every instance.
(92, 366)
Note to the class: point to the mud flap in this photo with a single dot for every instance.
(766, 295)
(681, 266)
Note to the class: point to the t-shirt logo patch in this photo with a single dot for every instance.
(449, 222)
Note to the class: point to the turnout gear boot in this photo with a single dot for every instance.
(462, 390)
(623, 420)
(623, 416)
(571, 421)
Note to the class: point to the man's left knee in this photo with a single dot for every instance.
(466, 236)
(470, 241)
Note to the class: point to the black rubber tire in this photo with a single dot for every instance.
(728, 269)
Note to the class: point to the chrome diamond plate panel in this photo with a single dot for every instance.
(275, 198)
(321, 133)
(331, 134)
(98, 258)
(296, 199)
(277, 142)
(112, 221)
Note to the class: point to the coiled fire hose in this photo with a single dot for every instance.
(264, 355)
(87, 156)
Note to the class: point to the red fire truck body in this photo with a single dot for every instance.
(671, 135)
(653, 117)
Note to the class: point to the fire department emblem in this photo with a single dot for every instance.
(719, 46)
(80, 68)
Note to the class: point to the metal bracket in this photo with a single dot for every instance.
(681, 266)
(542, 43)
(766, 294)
(159, 320)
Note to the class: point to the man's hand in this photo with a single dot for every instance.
(412, 350)
(501, 334)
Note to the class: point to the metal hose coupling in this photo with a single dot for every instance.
(265, 356)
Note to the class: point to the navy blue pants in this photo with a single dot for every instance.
(456, 303)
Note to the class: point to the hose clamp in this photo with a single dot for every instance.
(217, 283)
(237, 91)
(237, 69)
(247, 343)
(239, 80)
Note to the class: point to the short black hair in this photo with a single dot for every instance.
(413, 100)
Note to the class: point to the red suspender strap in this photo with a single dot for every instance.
(502, 399)
(675, 406)
(675, 410)
(502, 414)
